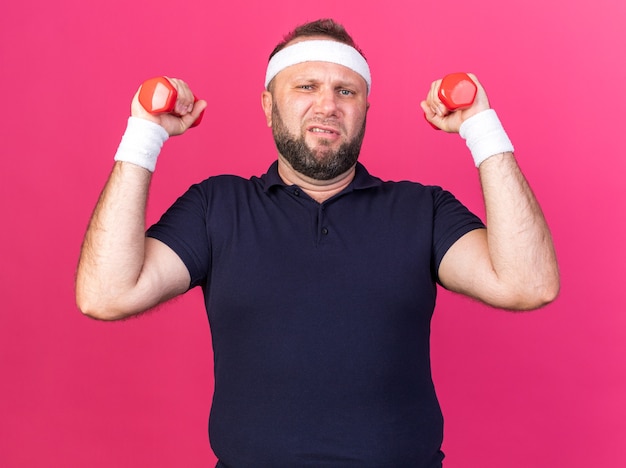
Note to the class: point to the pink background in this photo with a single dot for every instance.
(544, 389)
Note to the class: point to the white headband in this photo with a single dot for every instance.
(319, 51)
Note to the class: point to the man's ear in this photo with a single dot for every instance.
(266, 103)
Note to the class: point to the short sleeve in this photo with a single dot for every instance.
(183, 227)
(452, 220)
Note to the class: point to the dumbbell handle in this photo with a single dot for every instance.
(158, 96)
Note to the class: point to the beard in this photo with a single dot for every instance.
(321, 163)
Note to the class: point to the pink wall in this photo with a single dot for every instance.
(545, 389)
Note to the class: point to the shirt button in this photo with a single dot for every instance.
(296, 192)
(325, 231)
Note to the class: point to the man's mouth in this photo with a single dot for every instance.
(323, 130)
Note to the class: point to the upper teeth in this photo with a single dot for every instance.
(320, 130)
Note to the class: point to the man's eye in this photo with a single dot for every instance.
(305, 86)
(346, 92)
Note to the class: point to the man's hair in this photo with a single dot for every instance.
(322, 27)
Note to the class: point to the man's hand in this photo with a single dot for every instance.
(450, 121)
(185, 112)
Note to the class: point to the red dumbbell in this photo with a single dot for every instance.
(457, 91)
(158, 96)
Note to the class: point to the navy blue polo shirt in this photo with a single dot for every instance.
(320, 316)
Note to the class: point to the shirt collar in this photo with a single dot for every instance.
(362, 178)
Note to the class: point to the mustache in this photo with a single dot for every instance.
(328, 121)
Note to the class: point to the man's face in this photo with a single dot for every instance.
(317, 111)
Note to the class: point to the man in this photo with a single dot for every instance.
(319, 279)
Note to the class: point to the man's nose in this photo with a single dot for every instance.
(326, 102)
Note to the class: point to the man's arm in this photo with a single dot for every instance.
(120, 271)
(512, 264)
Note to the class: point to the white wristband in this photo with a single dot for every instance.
(141, 143)
(485, 136)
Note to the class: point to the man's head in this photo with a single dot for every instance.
(316, 99)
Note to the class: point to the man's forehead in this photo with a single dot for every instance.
(317, 50)
(315, 71)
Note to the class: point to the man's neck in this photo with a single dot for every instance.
(318, 190)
